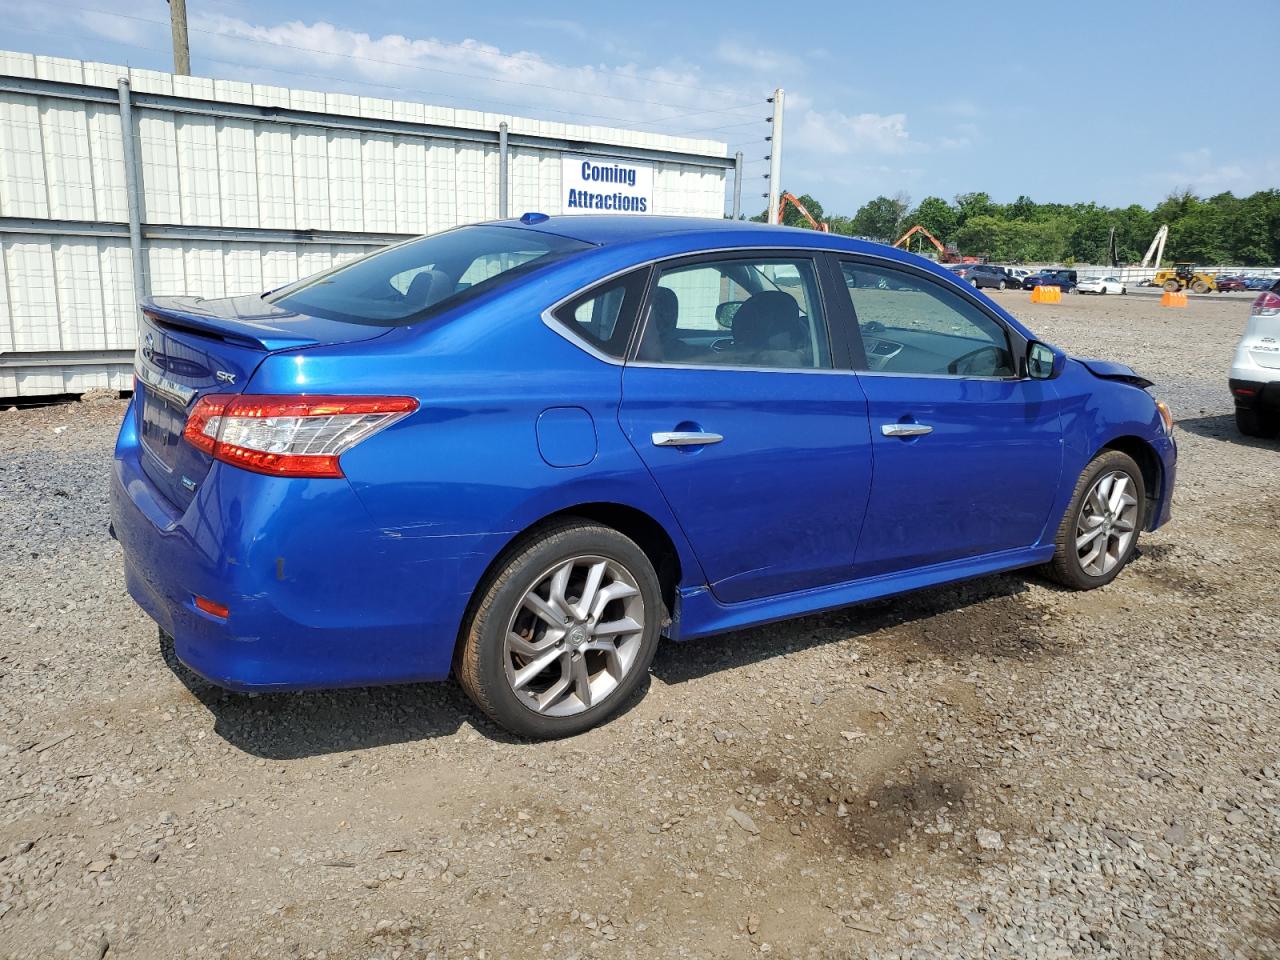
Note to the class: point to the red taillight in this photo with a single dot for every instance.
(289, 436)
(1267, 304)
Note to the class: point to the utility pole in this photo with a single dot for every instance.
(775, 155)
(181, 51)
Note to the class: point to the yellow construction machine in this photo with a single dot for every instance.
(1186, 276)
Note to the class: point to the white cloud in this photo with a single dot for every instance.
(469, 72)
(1203, 174)
(839, 134)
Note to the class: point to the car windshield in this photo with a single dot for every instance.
(412, 281)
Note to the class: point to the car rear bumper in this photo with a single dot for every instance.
(317, 595)
(1252, 394)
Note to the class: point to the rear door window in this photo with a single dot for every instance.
(604, 316)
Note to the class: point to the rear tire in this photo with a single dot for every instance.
(1107, 511)
(1257, 423)
(1200, 287)
(595, 629)
(1001, 285)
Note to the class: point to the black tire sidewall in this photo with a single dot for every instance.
(506, 589)
(1066, 562)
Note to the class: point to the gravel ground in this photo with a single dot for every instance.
(996, 769)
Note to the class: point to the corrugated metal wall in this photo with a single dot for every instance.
(66, 291)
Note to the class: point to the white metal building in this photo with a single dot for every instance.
(227, 187)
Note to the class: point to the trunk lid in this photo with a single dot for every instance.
(1262, 339)
(188, 348)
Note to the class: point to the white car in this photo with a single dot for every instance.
(1255, 372)
(1101, 285)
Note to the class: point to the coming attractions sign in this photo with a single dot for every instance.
(605, 185)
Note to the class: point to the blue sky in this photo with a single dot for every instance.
(924, 98)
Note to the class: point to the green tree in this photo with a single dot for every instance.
(880, 219)
(937, 216)
(974, 205)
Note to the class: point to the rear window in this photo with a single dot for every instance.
(412, 281)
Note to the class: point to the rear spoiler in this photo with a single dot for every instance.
(262, 330)
(1110, 370)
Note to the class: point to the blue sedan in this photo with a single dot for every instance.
(522, 452)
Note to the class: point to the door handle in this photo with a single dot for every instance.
(906, 429)
(685, 439)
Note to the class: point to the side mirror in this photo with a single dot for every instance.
(1042, 361)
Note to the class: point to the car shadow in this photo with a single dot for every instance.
(985, 616)
(295, 725)
(1223, 427)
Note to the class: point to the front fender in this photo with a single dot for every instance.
(1098, 412)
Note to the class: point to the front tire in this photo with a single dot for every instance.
(563, 632)
(1099, 532)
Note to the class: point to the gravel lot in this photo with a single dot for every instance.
(996, 769)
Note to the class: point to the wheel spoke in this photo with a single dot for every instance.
(535, 667)
(1091, 557)
(543, 610)
(529, 649)
(614, 591)
(1119, 495)
(560, 583)
(1085, 539)
(1122, 525)
(615, 627)
(555, 693)
(589, 589)
(581, 680)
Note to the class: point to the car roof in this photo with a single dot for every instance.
(618, 229)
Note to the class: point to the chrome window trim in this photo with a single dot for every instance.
(650, 365)
(939, 376)
(548, 315)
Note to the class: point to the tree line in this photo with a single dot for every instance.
(1218, 229)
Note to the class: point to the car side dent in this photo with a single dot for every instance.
(1099, 413)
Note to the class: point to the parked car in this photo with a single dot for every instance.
(520, 452)
(1231, 284)
(1064, 279)
(1255, 371)
(986, 275)
(1259, 283)
(1101, 285)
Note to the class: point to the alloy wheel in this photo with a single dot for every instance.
(574, 636)
(1107, 523)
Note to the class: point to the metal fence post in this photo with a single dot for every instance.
(141, 284)
(775, 155)
(504, 164)
(737, 185)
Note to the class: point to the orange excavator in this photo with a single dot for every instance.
(948, 254)
(795, 202)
